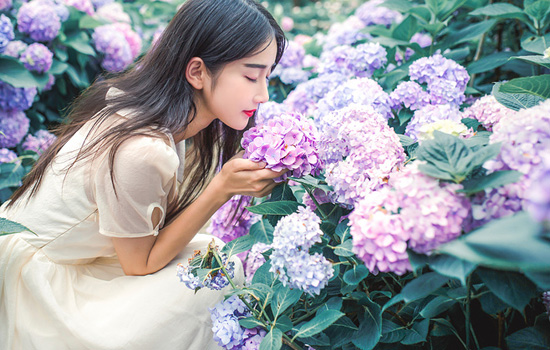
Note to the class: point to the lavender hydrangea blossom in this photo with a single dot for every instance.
(431, 69)
(39, 142)
(365, 153)
(215, 280)
(82, 5)
(344, 33)
(430, 114)
(232, 220)
(496, 203)
(112, 43)
(290, 260)
(15, 48)
(5, 4)
(39, 20)
(285, 142)
(6, 32)
(37, 57)
(372, 13)
(488, 111)
(359, 61)
(546, 302)
(290, 67)
(268, 110)
(255, 259)
(7, 155)
(416, 211)
(537, 198)
(361, 91)
(228, 333)
(303, 99)
(13, 127)
(410, 95)
(12, 98)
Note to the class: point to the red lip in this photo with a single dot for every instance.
(250, 113)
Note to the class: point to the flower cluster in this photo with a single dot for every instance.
(344, 33)
(215, 279)
(37, 57)
(361, 91)
(255, 259)
(7, 155)
(430, 114)
(409, 94)
(303, 99)
(372, 13)
(232, 220)
(362, 155)
(496, 203)
(82, 5)
(290, 67)
(269, 110)
(228, 333)
(112, 12)
(488, 111)
(113, 44)
(359, 61)
(6, 32)
(293, 236)
(15, 48)
(417, 212)
(39, 142)
(288, 141)
(422, 39)
(5, 4)
(537, 196)
(13, 127)
(12, 98)
(39, 19)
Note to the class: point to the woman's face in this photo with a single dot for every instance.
(239, 88)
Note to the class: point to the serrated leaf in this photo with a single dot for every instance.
(541, 279)
(535, 59)
(493, 180)
(273, 340)
(262, 231)
(238, 245)
(343, 229)
(536, 44)
(319, 323)
(275, 208)
(392, 332)
(538, 86)
(470, 32)
(14, 73)
(9, 227)
(284, 323)
(80, 43)
(511, 287)
(261, 291)
(515, 101)
(406, 29)
(498, 10)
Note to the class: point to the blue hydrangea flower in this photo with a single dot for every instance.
(39, 20)
(359, 61)
(14, 125)
(410, 95)
(436, 67)
(290, 259)
(37, 57)
(12, 98)
(6, 32)
(344, 33)
(7, 155)
(215, 280)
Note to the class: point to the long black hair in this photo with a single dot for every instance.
(155, 88)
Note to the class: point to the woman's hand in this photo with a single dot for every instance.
(245, 177)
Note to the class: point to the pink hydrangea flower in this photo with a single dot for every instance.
(488, 111)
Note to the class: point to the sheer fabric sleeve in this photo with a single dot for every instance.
(144, 173)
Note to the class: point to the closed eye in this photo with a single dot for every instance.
(251, 79)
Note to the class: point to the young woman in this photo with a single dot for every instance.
(109, 222)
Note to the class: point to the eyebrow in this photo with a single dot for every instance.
(254, 65)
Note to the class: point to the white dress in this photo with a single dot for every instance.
(64, 288)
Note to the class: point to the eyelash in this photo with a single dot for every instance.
(255, 80)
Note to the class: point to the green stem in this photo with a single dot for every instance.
(467, 315)
(310, 193)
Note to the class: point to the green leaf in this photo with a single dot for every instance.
(417, 333)
(80, 42)
(273, 340)
(88, 22)
(511, 287)
(282, 192)
(370, 329)
(9, 227)
(515, 101)
(493, 180)
(423, 286)
(283, 298)
(341, 332)
(58, 67)
(319, 323)
(397, 5)
(538, 86)
(404, 116)
(284, 323)
(238, 245)
(509, 243)
(536, 44)
(422, 13)
(470, 33)
(528, 339)
(356, 274)
(250, 322)
(541, 279)
(537, 10)
(312, 181)
(392, 332)
(14, 73)
(275, 208)
(342, 230)
(450, 266)
(345, 249)
(489, 62)
(501, 10)
(535, 59)
(11, 174)
(261, 291)
(262, 275)
(406, 29)
(436, 306)
(334, 303)
(262, 231)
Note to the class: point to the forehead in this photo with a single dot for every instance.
(262, 59)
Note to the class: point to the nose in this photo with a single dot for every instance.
(262, 95)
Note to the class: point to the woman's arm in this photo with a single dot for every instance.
(145, 255)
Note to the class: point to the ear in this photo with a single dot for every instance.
(196, 73)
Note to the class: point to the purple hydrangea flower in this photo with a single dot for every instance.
(361, 91)
(82, 5)
(361, 155)
(184, 272)
(40, 142)
(537, 198)
(228, 333)
(525, 138)
(12, 98)
(320, 196)
(546, 302)
(488, 111)
(215, 280)
(372, 13)
(268, 110)
(99, 3)
(290, 260)
(293, 56)
(422, 39)
(255, 259)
(6, 32)
(5, 4)
(434, 68)
(289, 69)
(285, 142)
(429, 114)
(416, 211)
(133, 38)
(344, 33)
(37, 57)
(113, 12)
(59, 7)
(303, 99)
(359, 61)
(496, 203)
(13, 127)
(50, 83)
(15, 48)
(409, 94)
(232, 220)
(443, 91)
(39, 20)
(112, 43)
(7, 155)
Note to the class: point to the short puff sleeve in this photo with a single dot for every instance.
(144, 173)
